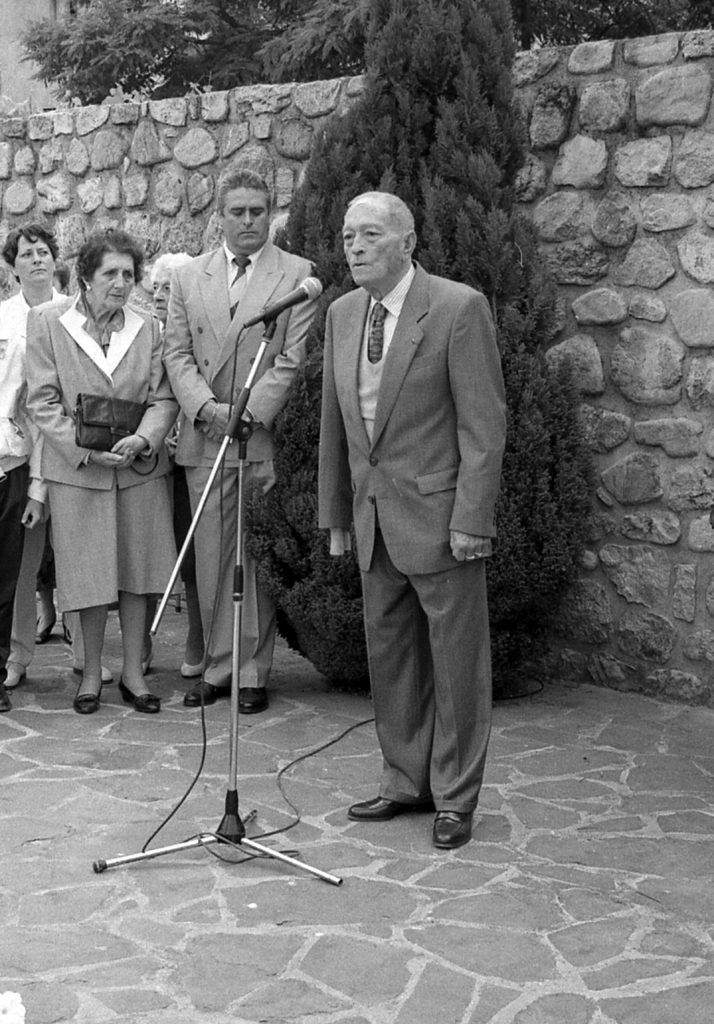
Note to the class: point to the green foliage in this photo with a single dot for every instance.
(436, 125)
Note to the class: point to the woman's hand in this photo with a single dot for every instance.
(128, 449)
(34, 513)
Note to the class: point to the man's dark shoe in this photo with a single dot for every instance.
(211, 693)
(5, 704)
(451, 829)
(252, 699)
(381, 809)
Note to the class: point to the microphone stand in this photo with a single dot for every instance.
(231, 829)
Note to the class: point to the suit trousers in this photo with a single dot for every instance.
(430, 669)
(13, 498)
(215, 545)
(24, 620)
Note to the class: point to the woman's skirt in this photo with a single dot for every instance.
(110, 541)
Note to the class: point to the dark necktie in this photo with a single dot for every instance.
(375, 341)
(238, 265)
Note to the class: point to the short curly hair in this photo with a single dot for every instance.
(32, 232)
(92, 253)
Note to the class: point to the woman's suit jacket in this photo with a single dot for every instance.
(63, 360)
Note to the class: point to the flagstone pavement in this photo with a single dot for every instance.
(586, 896)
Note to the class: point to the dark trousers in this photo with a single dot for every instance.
(430, 669)
(13, 498)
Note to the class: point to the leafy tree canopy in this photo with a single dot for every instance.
(168, 47)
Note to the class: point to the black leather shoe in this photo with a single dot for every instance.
(86, 703)
(381, 809)
(5, 703)
(147, 703)
(451, 829)
(211, 693)
(252, 699)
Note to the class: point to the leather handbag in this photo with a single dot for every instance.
(101, 421)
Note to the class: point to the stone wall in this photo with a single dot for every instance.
(152, 166)
(619, 184)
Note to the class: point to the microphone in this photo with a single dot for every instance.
(310, 288)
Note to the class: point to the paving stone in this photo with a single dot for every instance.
(282, 1001)
(439, 995)
(688, 1002)
(487, 951)
(556, 1009)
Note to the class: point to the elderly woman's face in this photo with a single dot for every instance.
(111, 284)
(162, 287)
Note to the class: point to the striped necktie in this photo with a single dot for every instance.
(234, 290)
(375, 341)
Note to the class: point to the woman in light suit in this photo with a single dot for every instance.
(111, 514)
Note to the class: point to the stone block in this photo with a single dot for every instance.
(586, 616)
(51, 155)
(678, 95)
(125, 113)
(258, 158)
(236, 136)
(195, 148)
(170, 111)
(19, 197)
(651, 50)
(701, 538)
(698, 44)
(647, 264)
(24, 162)
(645, 306)
(696, 254)
(293, 139)
(634, 479)
(146, 228)
(591, 57)
(673, 684)
(317, 99)
(108, 149)
(71, 232)
(646, 635)
(77, 158)
(637, 573)
(699, 646)
(13, 127)
(603, 428)
(580, 262)
(604, 106)
(678, 436)
(614, 223)
(90, 194)
(5, 160)
(284, 181)
(531, 179)
(530, 65)
(692, 313)
(63, 122)
(181, 234)
(199, 190)
(691, 488)
(147, 147)
(88, 119)
(562, 215)
(663, 212)
(260, 99)
(600, 306)
(550, 119)
(647, 367)
(582, 163)
(684, 592)
(112, 193)
(644, 162)
(700, 382)
(168, 191)
(582, 354)
(694, 162)
(136, 188)
(214, 106)
(55, 193)
(261, 126)
(39, 127)
(655, 526)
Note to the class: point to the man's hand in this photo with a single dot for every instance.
(465, 547)
(213, 419)
(340, 541)
(34, 514)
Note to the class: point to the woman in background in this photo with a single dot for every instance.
(110, 509)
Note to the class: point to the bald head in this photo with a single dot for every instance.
(379, 239)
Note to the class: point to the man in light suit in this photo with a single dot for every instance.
(208, 358)
(412, 437)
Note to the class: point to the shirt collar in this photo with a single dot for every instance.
(252, 257)
(394, 300)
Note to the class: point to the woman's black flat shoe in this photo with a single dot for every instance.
(145, 702)
(86, 703)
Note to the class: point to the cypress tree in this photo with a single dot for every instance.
(437, 125)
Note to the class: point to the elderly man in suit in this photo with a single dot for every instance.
(412, 437)
(208, 358)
